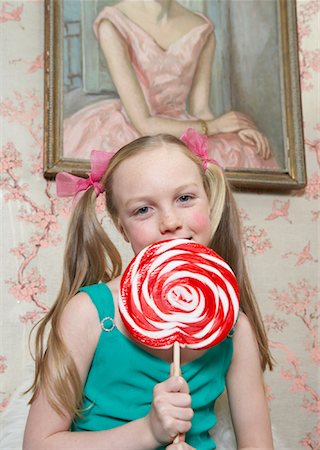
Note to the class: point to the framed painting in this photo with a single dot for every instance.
(245, 54)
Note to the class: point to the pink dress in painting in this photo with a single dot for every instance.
(165, 77)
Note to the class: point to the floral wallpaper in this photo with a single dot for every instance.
(281, 230)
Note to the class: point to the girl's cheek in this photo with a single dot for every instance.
(140, 237)
(201, 220)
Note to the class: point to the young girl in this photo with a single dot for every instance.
(160, 61)
(97, 389)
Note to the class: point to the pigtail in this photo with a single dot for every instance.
(227, 242)
(90, 257)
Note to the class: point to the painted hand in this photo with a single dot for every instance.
(232, 122)
(254, 137)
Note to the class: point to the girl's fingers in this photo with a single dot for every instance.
(173, 425)
(174, 384)
(184, 414)
(179, 400)
(179, 413)
(182, 426)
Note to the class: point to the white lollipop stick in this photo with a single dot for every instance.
(176, 372)
(176, 359)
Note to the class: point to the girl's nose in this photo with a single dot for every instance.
(170, 222)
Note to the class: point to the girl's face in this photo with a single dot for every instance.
(159, 194)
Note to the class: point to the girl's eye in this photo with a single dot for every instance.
(184, 198)
(142, 211)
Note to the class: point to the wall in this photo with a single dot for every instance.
(281, 231)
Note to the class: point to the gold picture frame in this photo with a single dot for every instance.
(293, 173)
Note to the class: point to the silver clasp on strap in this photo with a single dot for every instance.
(107, 324)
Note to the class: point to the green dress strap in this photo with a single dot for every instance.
(101, 297)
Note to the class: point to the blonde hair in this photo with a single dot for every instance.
(91, 257)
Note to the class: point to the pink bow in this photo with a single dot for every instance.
(69, 185)
(198, 144)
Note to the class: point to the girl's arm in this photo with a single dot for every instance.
(133, 100)
(169, 415)
(246, 391)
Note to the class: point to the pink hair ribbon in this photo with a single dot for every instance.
(69, 185)
(198, 144)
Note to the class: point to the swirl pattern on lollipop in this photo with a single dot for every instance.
(179, 291)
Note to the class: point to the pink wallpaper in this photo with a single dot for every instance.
(281, 231)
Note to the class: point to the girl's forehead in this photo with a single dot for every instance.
(164, 147)
(156, 164)
(163, 151)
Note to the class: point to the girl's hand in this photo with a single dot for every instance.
(232, 122)
(254, 137)
(171, 412)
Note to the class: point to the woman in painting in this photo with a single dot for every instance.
(160, 56)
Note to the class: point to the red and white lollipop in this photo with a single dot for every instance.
(179, 291)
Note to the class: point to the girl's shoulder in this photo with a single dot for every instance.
(79, 308)
(102, 296)
(244, 340)
(85, 309)
(243, 328)
(83, 305)
(79, 324)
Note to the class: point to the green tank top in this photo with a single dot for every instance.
(122, 376)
